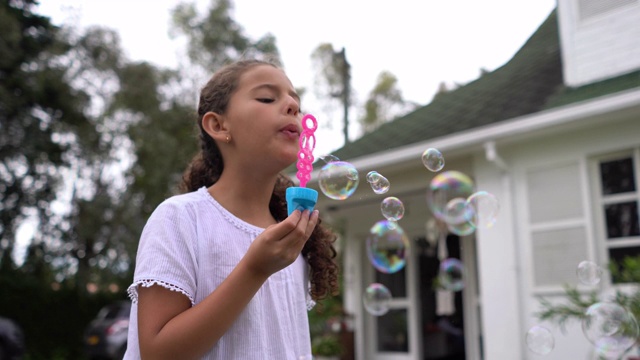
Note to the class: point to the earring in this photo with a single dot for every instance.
(228, 139)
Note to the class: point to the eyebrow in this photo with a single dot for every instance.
(276, 89)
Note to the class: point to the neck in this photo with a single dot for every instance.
(246, 195)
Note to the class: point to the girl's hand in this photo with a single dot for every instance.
(280, 244)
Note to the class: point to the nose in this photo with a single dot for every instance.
(293, 108)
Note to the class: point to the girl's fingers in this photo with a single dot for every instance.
(313, 221)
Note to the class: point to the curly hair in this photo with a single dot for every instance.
(207, 166)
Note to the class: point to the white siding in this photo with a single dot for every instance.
(553, 236)
(598, 42)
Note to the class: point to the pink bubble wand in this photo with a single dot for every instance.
(300, 197)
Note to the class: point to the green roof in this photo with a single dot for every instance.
(530, 82)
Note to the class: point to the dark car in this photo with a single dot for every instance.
(11, 340)
(106, 335)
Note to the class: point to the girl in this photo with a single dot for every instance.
(222, 272)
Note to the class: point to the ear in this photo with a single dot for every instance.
(214, 124)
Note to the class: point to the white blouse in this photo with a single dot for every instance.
(190, 244)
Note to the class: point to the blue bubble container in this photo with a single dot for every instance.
(300, 198)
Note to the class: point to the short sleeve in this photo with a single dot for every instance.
(167, 251)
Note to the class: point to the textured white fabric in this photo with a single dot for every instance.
(190, 244)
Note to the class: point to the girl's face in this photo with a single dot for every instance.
(263, 118)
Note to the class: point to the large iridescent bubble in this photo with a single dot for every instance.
(445, 187)
(610, 327)
(387, 246)
(456, 216)
(338, 180)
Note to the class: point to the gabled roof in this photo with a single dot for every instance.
(530, 82)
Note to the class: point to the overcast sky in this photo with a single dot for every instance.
(423, 43)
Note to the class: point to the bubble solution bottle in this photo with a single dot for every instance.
(300, 197)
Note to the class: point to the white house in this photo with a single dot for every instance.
(555, 135)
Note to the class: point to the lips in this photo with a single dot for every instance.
(291, 130)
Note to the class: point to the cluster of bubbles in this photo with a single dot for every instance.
(454, 202)
(611, 328)
(451, 198)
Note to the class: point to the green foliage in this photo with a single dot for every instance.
(215, 38)
(37, 106)
(385, 101)
(325, 340)
(628, 271)
(326, 345)
(53, 321)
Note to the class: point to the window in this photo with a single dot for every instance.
(557, 223)
(618, 208)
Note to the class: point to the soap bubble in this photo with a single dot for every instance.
(447, 186)
(387, 246)
(610, 326)
(456, 211)
(461, 229)
(540, 340)
(483, 209)
(379, 183)
(433, 159)
(376, 299)
(608, 348)
(338, 180)
(589, 273)
(328, 158)
(392, 208)
(456, 217)
(451, 274)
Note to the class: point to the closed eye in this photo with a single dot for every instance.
(265, 100)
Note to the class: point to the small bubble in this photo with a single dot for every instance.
(379, 184)
(328, 158)
(376, 299)
(433, 159)
(589, 273)
(451, 274)
(540, 340)
(392, 208)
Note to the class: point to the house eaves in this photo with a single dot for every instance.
(578, 115)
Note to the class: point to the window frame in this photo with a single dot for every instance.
(604, 243)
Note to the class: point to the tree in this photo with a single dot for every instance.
(333, 81)
(38, 108)
(215, 38)
(384, 103)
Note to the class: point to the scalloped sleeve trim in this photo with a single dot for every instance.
(132, 291)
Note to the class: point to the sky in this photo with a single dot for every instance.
(422, 43)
